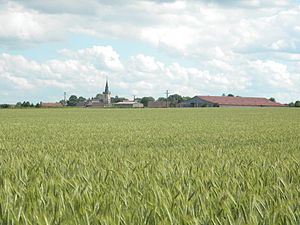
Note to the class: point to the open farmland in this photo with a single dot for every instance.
(150, 166)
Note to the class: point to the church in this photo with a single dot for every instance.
(96, 103)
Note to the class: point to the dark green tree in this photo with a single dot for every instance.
(272, 99)
(73, 100)
(230, 95)
(186, 98)
(161, 99)
(81, 99)
(25, 104)
(292, 104)
(99, 97)
(4, 106)
(297, 104)
(137, 99)
(175, 99)
(145, 100)
(62, 102)
(117, 99)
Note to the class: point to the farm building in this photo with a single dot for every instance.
(157, 104)
(50, 105)
(129, 104)
(94, 103)
(224, 101)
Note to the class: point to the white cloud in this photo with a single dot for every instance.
(98, 55)
(191, 29)
(54, 83)
(15, 82)
(21, 27)
(219, 37)
(277, 75)
(142, 75)
(181, 27)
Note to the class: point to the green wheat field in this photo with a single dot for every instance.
(150, 166)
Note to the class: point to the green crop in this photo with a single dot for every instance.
(150, 166)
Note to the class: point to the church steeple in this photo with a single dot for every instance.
(106, 91)
(106, 95)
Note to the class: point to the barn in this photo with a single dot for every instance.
(224, 101)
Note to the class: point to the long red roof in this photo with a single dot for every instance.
(51, 104)
(224, 100)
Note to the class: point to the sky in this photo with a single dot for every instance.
(145, 47)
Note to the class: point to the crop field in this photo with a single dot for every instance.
(150, 166)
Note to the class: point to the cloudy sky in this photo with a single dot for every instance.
(145, 47)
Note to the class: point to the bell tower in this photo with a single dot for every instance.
(106, 95)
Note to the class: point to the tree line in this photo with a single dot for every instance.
(172, 99)
(294, 104)
(21, 104)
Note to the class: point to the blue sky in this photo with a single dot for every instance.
(208, 47)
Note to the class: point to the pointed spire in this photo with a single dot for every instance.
(106, 87)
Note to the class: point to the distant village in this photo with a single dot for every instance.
(105, 100)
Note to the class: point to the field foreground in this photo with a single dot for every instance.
(150, 166)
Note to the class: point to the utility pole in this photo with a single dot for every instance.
(134, 98)
(65, 97)
(167, 96)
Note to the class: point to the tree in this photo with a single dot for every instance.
(161, 99)
(73, 100)
(175, 99)
(4, 106)
(230, 95)
(81, 99)
(297, 104)
(292, 104)
(186, 98)
(138, 100)
(272, 99)
(25, 104)
(62, 102)
(117, 99)
(99, 97)
(145, 100)
(19, 104)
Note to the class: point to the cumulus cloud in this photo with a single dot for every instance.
(21, 27)
(277, 75)
(104, 56)
(188, 28)
(142, 75)
(15, 82)
(236, 46)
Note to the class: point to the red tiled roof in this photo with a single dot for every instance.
(224, 100)
(52, 105)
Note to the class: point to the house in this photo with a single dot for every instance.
(158, 104)
(50, 105)
(95, 104)
(225, 101)
(81, 104)
(128, 104)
